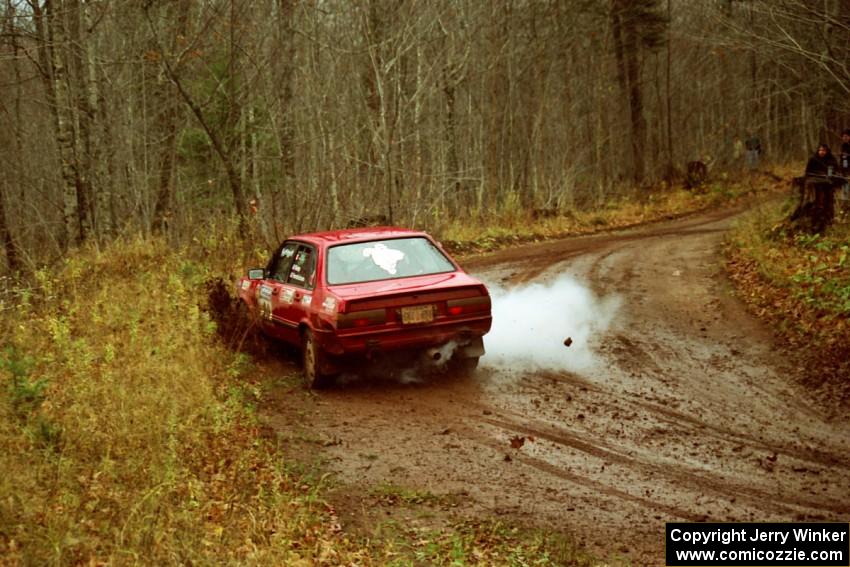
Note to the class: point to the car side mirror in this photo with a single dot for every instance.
(256, 274)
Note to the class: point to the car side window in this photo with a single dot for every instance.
(281, 263)
(303, 267)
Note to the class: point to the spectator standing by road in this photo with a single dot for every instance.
(753, 146)
(822, 163)
(844, 162)
(820, 169)
(737, 152)
(845, 150)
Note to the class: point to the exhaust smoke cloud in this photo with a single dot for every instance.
(552, 326)
(531, 325)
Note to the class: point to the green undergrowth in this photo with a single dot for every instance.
(508, 224)
(799, 281)
(478, 543)
(810, 273)
(128, 432)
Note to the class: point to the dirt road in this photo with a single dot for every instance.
(690, 413)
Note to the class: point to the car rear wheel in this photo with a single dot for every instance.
(313, 358)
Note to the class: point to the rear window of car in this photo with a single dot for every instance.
(385, 260)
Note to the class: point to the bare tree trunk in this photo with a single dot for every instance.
(232, 132)
(635, 103)
(63, 120)
(381, 105)
(9, 246)
(106, 196)
(452, 163)
(169, 116)
(372, 77)
(669, 108)
(84, 102)
(101, 166)
(286, 67)
(11, 249)
(628, 72)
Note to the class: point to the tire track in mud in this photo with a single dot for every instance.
(689, 414)
(564, 474)
(673, 417)
(671, 472)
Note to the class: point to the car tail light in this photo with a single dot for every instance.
(361, 318)
(455, 307)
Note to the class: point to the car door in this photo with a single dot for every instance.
(295, 297)
(268, 293)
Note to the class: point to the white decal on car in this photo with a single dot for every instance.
(245, 285)
(383, 257)
(287, 295)
(329, 305)
(306, 300)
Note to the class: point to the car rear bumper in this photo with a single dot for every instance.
(398, 337)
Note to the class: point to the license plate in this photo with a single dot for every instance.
(418, 314)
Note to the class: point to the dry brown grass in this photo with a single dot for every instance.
(125, 427)
(507, 223)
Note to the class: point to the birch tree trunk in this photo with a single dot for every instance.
(66, 137)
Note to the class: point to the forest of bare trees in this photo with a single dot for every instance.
(120, 117)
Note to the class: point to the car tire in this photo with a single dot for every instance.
(465, 366)
(312, 358)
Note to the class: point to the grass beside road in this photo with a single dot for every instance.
(126, 430)
(508, 224)
(800, 283)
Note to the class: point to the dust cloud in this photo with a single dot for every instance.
(531, 323)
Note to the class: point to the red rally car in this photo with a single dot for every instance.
(366, 292)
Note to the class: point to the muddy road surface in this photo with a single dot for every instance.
(689, 411)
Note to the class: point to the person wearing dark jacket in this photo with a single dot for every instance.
(753, 146)
(820, 184)
(822, 163)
